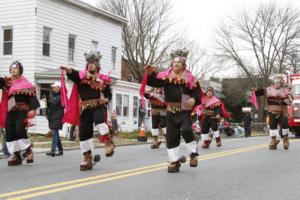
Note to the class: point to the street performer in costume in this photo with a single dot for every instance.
(18, 106)
(182, 93)
(93, 90)
(210, 112)
(158, 114)
(277, 99)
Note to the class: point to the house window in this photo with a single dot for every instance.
(113, 56)
(135, 106)
(46, 41)
(7, 41)
(119, 104)
(94, 45)
(71, 47)
(130, 77)
(126, 105)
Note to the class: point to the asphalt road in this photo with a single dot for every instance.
(242, 169)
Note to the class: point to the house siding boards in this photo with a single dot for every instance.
(20, 15)
(28, 17)
(65, 19)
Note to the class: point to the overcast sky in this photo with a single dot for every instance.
(201, 17)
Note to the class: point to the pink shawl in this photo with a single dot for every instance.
(213, 100)
(17, 85)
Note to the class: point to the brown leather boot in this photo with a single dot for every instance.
(156, 143)
(174, 167)
(109, 147)
(28, 155)
(273, 145)
(205, 144)
(15, 160)
(218, 141)
(194, 160)
(286, 142)
(87, 164)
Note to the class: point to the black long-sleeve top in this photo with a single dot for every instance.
(32, 101)
(153, 103)
(86, 92)
(2, 83)
(173, 92)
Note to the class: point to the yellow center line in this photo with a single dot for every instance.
(105, 175)
(117, 175)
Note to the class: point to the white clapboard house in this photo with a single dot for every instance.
(45, 34)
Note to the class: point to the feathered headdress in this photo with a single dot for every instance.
(93, 56)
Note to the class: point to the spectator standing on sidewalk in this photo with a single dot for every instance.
(55, 115)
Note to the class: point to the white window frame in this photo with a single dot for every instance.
(135, 106)
(130, 78)
(114, 56)
(121, 106)
(95, 45)
(49, 43)
(71, 59)
(5, 42)
(128, 106)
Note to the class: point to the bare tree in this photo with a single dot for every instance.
(146, 37)
(260, 43)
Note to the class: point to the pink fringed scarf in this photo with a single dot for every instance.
(189, 76)
(19, 84)
(211, 101)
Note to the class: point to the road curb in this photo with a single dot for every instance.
(133, 144)
(76, 148)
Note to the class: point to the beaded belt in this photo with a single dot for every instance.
(208, 112)
(21, 106)
(174, 107)
(90, 103)
(156, 111)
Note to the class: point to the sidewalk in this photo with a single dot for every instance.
(42, 147)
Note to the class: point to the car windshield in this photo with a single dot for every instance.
(296, 89)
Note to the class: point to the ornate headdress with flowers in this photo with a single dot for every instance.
(93, 57)
(181, 54)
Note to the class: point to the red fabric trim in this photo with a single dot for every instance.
(254, 100)
(143, 88)
(72, 113)
(3, 108)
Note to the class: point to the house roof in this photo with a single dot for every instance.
(104, 13)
